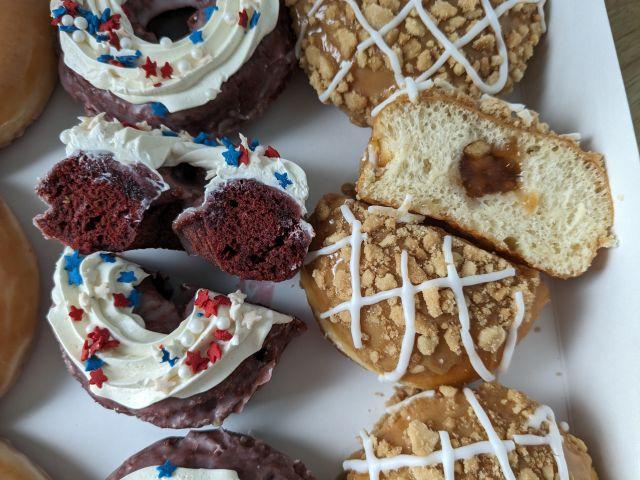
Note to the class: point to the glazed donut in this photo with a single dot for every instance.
(488, 432)
(18, 274)
(225, 72)
(361, 54)
(431, 308)
(27, 65)
(150, 191)
(15, 466)
(180, 359)
(216, 455)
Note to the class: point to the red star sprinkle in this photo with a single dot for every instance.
(166, 71)
(214, 353)
(201, 298)
(112, 24)
(56, 21)
(114, 39)
(71, 6)
(271, 152)
(97, 378)
(157, 84)
(210, 306)
(244, 155)
(119, 300)
(223, 335)
(150, 68)
(75, 313)
(99, 339)
(243, 18)
(197, 362)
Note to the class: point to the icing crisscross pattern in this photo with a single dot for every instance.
(447, 455)
(411, 86)
(406, 293)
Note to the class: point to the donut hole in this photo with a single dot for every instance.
(175, 24)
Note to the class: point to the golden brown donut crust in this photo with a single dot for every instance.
(413, 430)
(332, 34)
(27, 64)
(15, 466)
(438, 355)
(19, 297)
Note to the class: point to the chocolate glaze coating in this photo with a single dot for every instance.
(252, 459)
(246, 228)
(163, 313)
(243, 97)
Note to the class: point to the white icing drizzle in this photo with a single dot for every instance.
(155, 150)
(401, 213)
(138, 373)
(396, 407)
(151, 473)
(447, 455)
(200, 67)
(512, 338)
(406, 293)
(411, 86)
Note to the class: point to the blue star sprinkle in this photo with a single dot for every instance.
(254, 19)
(93, 363)
(159, 109)
(231, 156)
(209, 11)
(203, 139)
(127, 277)
(134, 298)
(58, 12)
(166, 357)
(72, 265)
(105, 58)
(283, 179)
(196, 37)
(108, 257)
(254, 143)
(166, 469)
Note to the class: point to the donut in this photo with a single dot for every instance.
(18, 275)
(492, 170)
(428, 308)
(211, 455)
(360, 55)
(15, 466)
(488, 432)
(177, 359)
(240, 207)
(27, 65)
(233, 62)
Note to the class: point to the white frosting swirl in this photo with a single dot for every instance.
(136, 374)
(153, 149)
(151, 473)
(199, 69)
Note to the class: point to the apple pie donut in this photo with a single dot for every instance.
(489, 432)
(427, 308)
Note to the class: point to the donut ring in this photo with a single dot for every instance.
(238, 456)
(234, 63)
(18, 319)
(27, 65)
(16, 466)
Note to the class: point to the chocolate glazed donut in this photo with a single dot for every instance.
(242, 98)
(250, 458)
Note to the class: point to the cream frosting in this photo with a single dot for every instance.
(146, 367)
(151, 473)
(200, 63)
(157, 148)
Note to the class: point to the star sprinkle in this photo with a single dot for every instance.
(254, 19)
(214, 353)
(120, 300)
(111, 23)
(196, 37)
(253, 144)
(108, 257)
(231, 156)
(197, 362)
(114, 40)
(150, 68)
(97, 340)
(97, 378)
(244, 155)
(223, 335)
(210, 306)
(72, 265)
(209, 11)
(76, 313)
(283, 179)
(271, 152)
(166, 357)
(93, 363)
(203, 139)
(243, 18)
(159, 109)
(127, 277)
(134, 298)
(166, 469)
(167, 70)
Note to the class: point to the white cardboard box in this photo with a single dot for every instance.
(584, 361)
